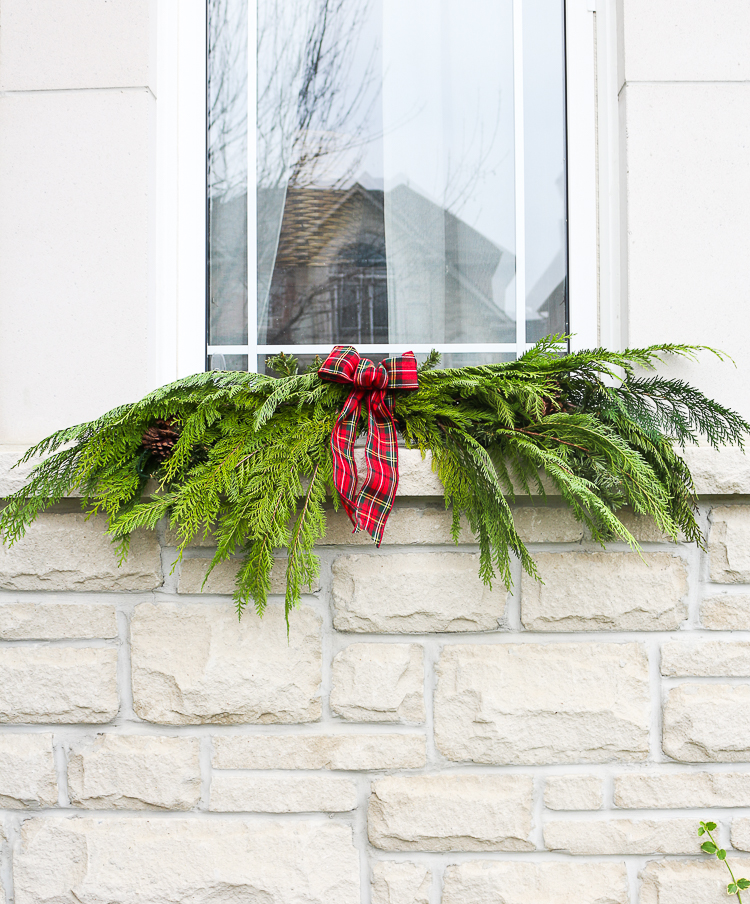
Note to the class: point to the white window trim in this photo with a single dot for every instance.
(581, 136)
(610, 185)
(179, 321)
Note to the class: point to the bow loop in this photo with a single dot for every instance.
(369, 507)
(368, 376)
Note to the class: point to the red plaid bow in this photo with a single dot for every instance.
(369, 508)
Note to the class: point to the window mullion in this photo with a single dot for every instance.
(252, 194)
(520, 202)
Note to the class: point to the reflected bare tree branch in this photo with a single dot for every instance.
(227, 99)
(314, 108)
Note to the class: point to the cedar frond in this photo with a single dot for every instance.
(252, 464)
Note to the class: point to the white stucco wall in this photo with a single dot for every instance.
(77, 160)
(685, 98)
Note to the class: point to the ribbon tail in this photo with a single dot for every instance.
(343, 436)
(375, 499)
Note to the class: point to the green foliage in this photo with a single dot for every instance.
(431, 361)
(711, 847)
(253, 461)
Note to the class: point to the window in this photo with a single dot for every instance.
(402, 178)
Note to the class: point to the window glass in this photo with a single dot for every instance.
(409, 176)
(544, 170)
(227, 102)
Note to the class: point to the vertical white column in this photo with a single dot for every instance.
(252, 197)
(519, 176)
(608, 134)
(164, 303)
(191, 180)
(582, 188)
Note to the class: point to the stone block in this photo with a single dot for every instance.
(718, 472)
(726, 612)
(707, 723)
(347, 752)
(684, 882)
(573, 792)
(67, 552)
(56, 621)
(451, 813)
(195, 663)
(543, 703)
(741, 837)
(222, 579)
(27, 771)
(134, 860)
(172, 539)
(58, 684)
(509, 882)
(712, 658)
(678, 790)
(135, 772)
(12, 478)
(233, 793)
(431, 525)
(427, 525)
(76, 44)
(605, 590)
(414, 593)
(378, 682)
(400, 883)
(408, 525)
(543, 524)
(643, 528)
(729, 544)
(416, 477)
(415, 474)
(623, 836)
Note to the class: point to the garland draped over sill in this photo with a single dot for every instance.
(249, 456)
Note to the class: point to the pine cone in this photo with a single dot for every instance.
(557, 405)
(160, 438)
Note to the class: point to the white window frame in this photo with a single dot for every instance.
(179, 323)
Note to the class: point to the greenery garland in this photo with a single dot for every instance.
(248, 456)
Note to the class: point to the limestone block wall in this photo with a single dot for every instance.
(419, 739)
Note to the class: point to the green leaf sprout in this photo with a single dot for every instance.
(710, 847)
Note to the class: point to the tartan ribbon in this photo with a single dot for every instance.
(369, 507)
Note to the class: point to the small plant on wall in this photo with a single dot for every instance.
(711, 847)
(253, 458)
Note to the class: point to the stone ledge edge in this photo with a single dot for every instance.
(716, 473)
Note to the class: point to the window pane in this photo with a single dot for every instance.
(394, 177)
(453, 359)
(386, 186)
(227, 362)
(227, 172)
(544, 165)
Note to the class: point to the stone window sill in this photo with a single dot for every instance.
(724, 473)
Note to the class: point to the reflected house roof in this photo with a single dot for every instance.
(319, 224)
(545, 301)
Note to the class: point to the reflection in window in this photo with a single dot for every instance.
(227, 173)
(386, 185)
(329, 276)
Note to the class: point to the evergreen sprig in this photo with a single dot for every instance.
(253, 463)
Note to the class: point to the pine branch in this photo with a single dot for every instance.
(589, 422)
